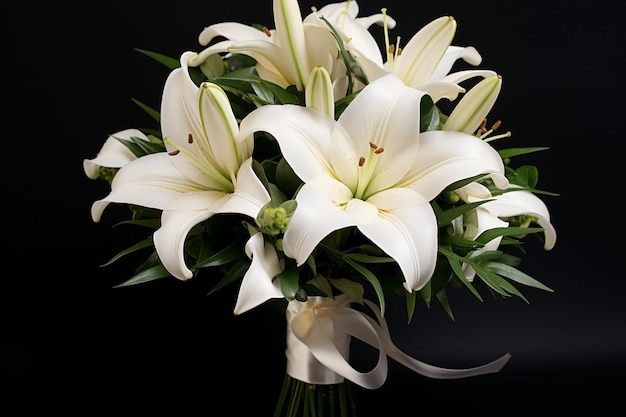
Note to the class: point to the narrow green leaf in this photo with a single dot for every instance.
(147, 275)
(372, 279)
(146, 243)
(515, 275)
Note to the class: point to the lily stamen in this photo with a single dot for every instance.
(366, 172)
(267, 31)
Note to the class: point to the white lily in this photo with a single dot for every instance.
(373, 169)
(344, 18)
(426, 60)
(207, 169)
(285, 55)
(113, 153)
(496, 212)
(258, 284)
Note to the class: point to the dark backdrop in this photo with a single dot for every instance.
(71, 341)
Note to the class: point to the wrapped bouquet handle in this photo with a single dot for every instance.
(318, 340)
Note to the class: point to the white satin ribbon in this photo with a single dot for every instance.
(318, 343)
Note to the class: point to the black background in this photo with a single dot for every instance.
(72, 343)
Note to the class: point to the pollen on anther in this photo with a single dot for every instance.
(379, 150)
(190, 138)
(373, 145)
(361, 161)
(174, 152)
(267, 31)
(392, 48)
(483, 125)
(496, 125)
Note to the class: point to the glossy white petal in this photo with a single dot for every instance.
(113, 153)
(452, 55)
(305, 136)
(150, 181)
(424, 51)
(233, 31)
(515, 203)
(258, 284)
(169, 239)
(316, 217)
(410, 237)
(446, 157)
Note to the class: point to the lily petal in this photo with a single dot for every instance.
(113, 153)
(515, 203)
(410, 237)
(258, 284)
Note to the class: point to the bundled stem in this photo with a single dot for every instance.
(301, 399)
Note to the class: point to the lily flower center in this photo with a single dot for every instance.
(226, 181)
(366, 170)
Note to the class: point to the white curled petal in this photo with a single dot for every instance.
(515, 203)
(315, 217)
(150, 181)
(169, 239)
(410, 237)
(258, 284)
(468, 54)
(113, 153)
(304, 136)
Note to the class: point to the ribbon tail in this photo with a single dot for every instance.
(426, 369)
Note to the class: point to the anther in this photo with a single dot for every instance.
(392, 47)
(174, 152)
(373, 145)
(361, 161)
(483, 125)
(379, 150)
(190, 139)
(267, 31)
(496, 125)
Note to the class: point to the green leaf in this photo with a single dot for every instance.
(155, 114)
(146, 243)
(372, 280)
(236, 272)
(352, 289)
(229, 254)
(169, 62)
(490, 234)
(445, 217)
(511, 152)
(515, 274)
(369, 259)
(455, 263)
(147, 275)
(140, 147)
(289, 284)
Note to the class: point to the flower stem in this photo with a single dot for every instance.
(301, 399)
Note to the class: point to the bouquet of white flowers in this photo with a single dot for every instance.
(322, 176)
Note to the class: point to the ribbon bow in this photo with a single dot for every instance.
(318, 341)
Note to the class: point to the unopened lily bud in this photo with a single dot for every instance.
(473, 108)
(319, 92)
